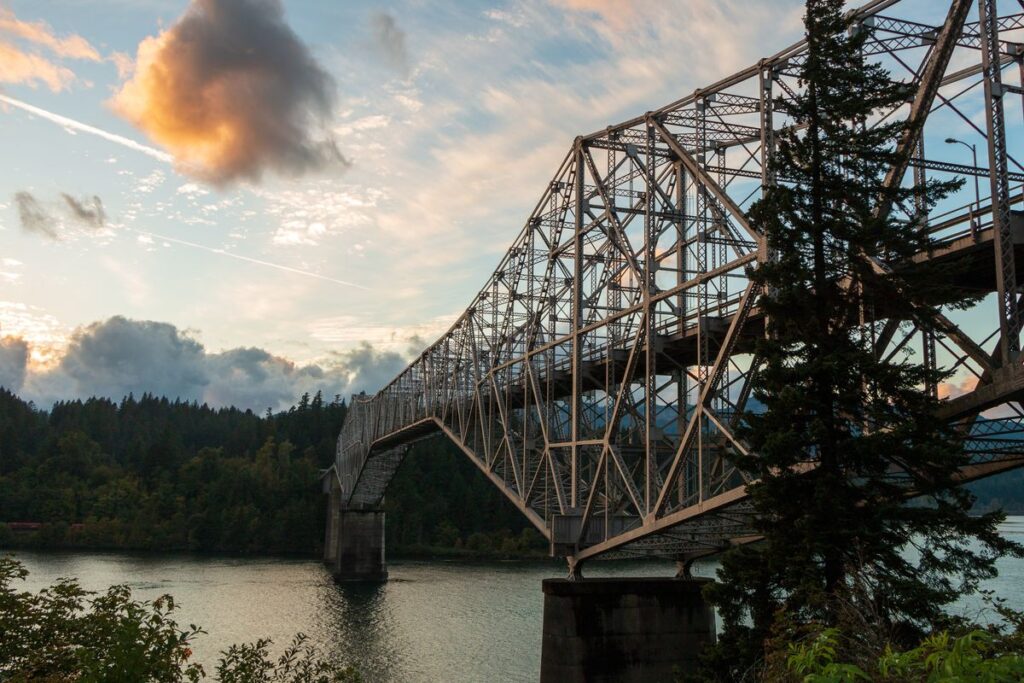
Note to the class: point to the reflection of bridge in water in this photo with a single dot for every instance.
(599, 375)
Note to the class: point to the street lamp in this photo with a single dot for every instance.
(974, 154)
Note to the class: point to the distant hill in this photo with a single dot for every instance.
(1004, 491)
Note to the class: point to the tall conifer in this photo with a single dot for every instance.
(846, 432)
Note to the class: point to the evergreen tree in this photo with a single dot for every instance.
(846, 433)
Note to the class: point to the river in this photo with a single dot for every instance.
(432, 621)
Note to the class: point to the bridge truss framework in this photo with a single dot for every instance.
(598, 376)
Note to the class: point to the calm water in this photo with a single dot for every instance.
(433, 621)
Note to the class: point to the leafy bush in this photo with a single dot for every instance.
(978, 655)
(300, 663)
(65, 633)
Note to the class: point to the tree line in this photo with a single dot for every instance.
(151, 473)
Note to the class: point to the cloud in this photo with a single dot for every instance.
(957, 387)
(231, 91)
(90, 211)
(390, 41)
(13, 362)
(618, 13)
(53, 221)
(44, 334)
(9, 268)
(20, 66)
(33, 217)
(38, 32)
(368, 369)
(119, 356)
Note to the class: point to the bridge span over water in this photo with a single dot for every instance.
(599, 375)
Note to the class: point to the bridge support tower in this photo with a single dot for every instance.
(354, 543)
(624, 630)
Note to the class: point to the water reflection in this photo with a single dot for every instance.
(433, 621)
(359, 625)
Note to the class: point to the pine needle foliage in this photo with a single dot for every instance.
(845, 432)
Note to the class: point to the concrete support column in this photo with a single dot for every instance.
(333, 520)
(358, 545)
(623, 630)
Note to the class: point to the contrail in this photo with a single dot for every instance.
(167, 158)
(233, 255)
(86, 128)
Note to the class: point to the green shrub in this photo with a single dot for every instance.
(977, 656)
(64, 633)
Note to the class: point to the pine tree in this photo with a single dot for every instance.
(839, 420)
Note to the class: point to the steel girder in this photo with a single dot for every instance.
(598, 377)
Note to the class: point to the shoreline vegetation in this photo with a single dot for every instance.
(150, 474)
(153, 474)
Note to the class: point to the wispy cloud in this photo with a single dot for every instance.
(58, 220)
(17, 66)
(33, 217)
(22, 63)
(390, 42)
(507, 98)
(39, 33)
(89, 211)
(614, 13)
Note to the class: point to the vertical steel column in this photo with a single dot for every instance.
(577, 323)
(766, 77)
(650, 361)
(683, 274)
(1006, 271)
(705, 220)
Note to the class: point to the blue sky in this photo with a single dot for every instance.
(452, 123)
(450, 118)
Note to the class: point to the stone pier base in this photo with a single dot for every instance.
(623, 630)
(354, 548)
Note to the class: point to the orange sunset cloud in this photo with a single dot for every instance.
(231, 92)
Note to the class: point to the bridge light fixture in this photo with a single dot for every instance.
(977, 190)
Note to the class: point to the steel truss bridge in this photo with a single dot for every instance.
(598, 376)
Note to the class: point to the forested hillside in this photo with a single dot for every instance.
(153, 474)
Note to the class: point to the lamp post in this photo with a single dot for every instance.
(974, 154)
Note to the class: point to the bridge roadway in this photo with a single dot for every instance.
(598, 376)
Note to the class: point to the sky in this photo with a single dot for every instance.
(236, 201)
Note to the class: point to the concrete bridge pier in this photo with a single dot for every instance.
(626, 630)
(354, 548)
(354, 542)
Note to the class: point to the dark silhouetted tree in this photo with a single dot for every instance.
(845, 433)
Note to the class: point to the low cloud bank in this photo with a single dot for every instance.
(119, 356)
